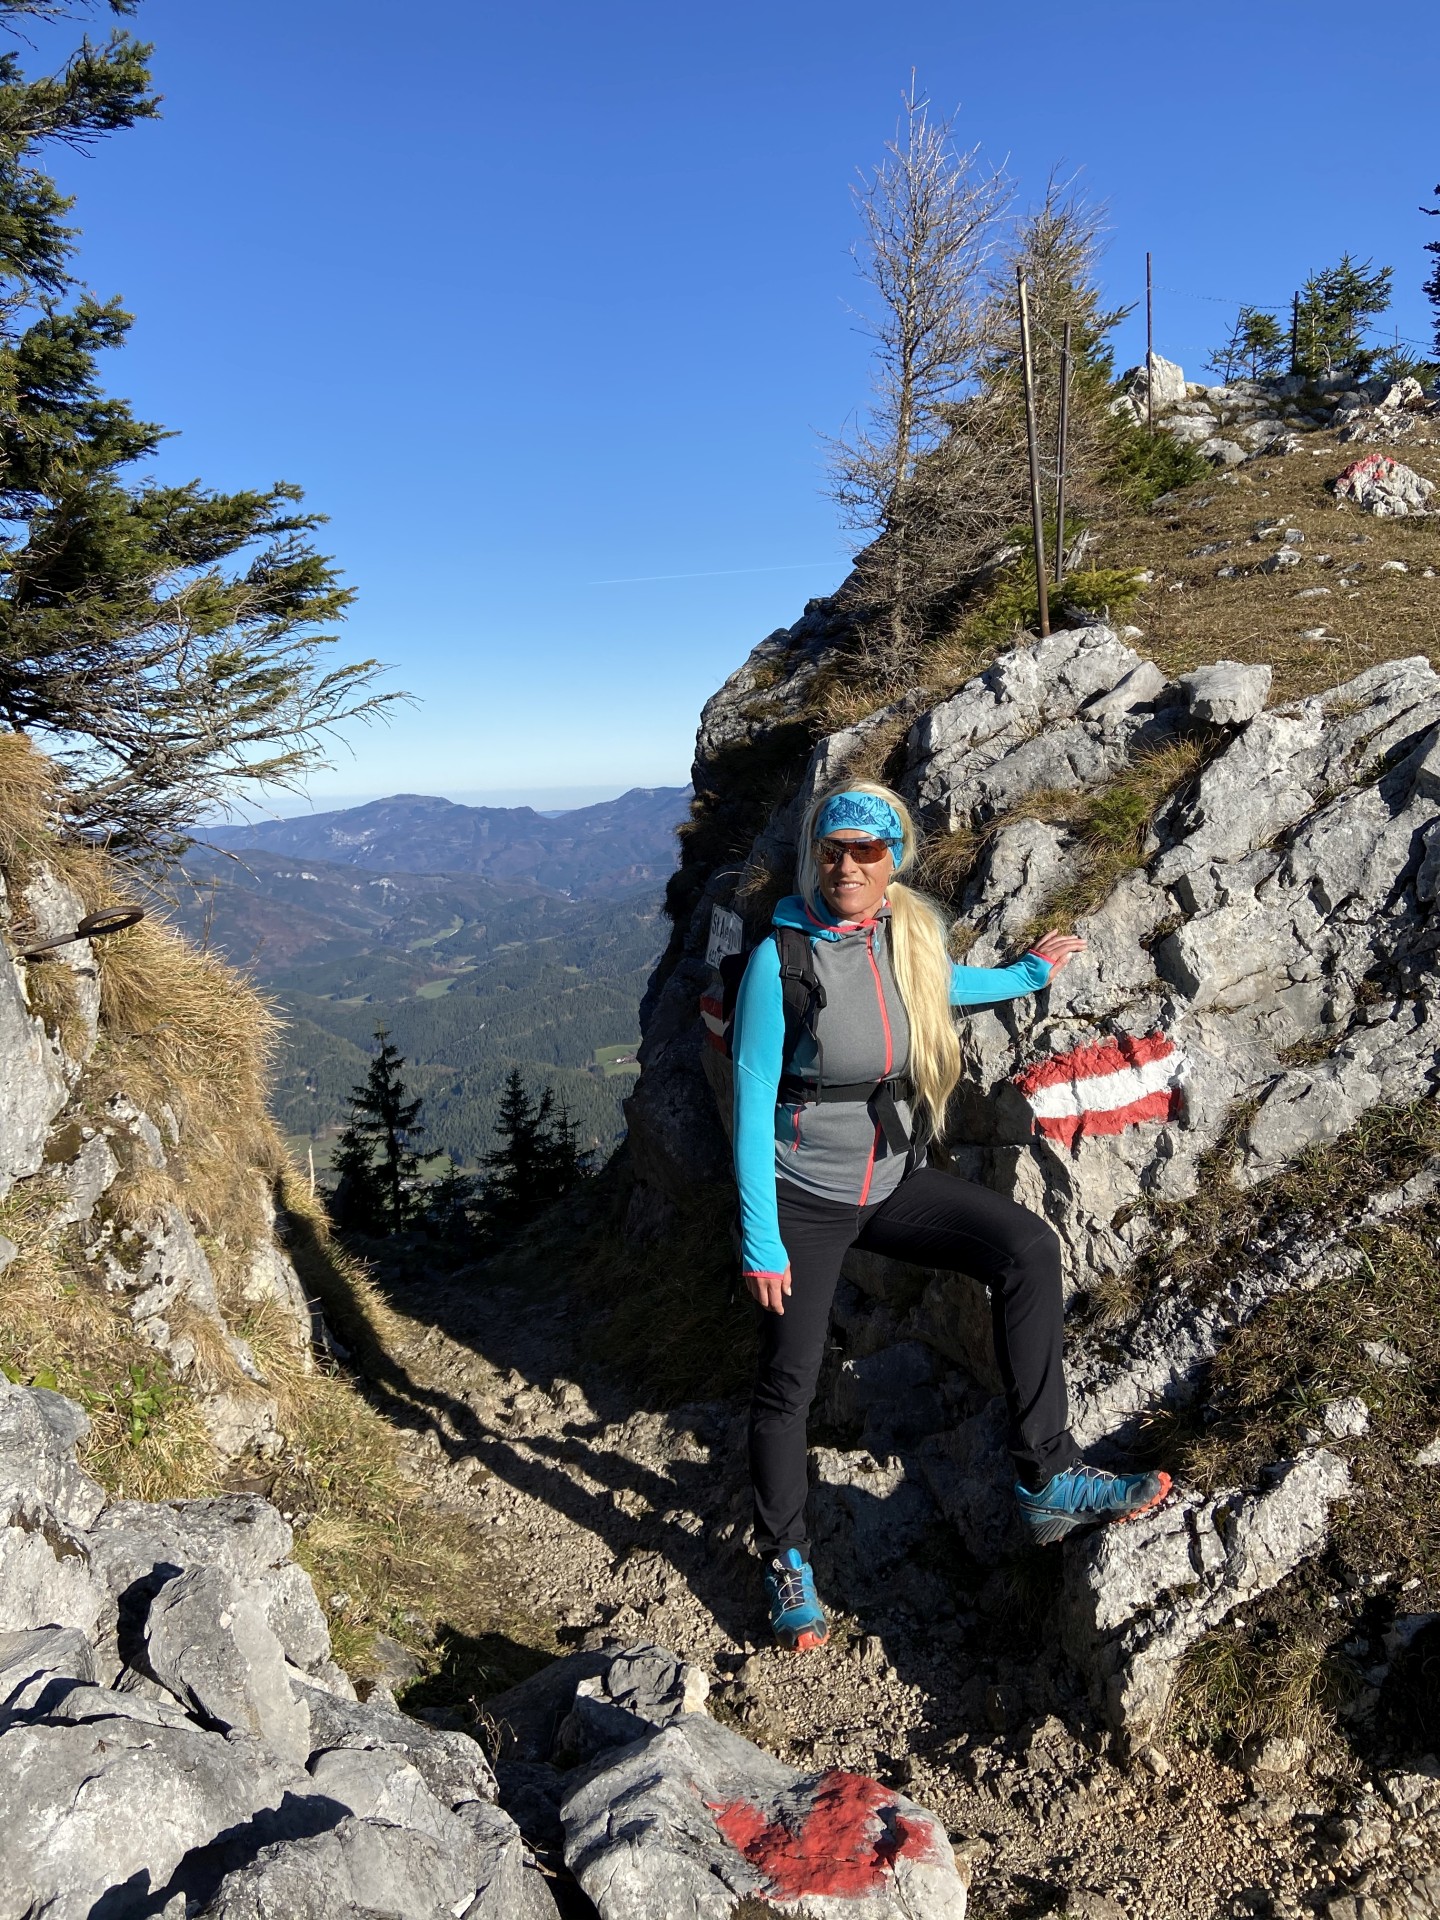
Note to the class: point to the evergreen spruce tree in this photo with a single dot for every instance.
(1431, 288)
(564, 1165)
(1335, 310)
(376, 1159)
(538, 1160)
(1255, 346)
(167, 639)
(513, 1170)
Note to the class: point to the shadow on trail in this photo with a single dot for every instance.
(535, 1340)
(938, 1630)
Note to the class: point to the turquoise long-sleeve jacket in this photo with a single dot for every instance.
(835, 1150)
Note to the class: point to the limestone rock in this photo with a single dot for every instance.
(271, 1277)
(1227, 694)
(115, 1803)
(158, 1270)
(1035, 717)
(82, 1180)
(1221, 452)
(33, 1084)
(355, 1869)
(38, 1435)
(35, 1662)
(1138, 1596)
(1383, 486)
(52, 907)
(690, 1821)
(377, 1785)
(639, 1688)
(136, 1547)
(452, 1766)
(46, 1576)
(510, 1886)
(1163, 376)
(207, 1640)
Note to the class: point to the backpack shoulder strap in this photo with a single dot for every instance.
(800, 988)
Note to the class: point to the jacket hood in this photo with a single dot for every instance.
(793, 911)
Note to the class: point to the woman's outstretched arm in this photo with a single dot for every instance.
(979, 986)
(758, 1044)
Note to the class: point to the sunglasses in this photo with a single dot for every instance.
(864, 852)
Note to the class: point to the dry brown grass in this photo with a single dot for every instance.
(28, 801)
(1191, 616)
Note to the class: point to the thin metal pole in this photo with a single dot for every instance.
(1037, 515)
(1149, 346)
(1061, 452)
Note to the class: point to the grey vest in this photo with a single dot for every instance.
(862, 1033)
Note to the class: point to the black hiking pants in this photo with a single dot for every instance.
(932, 1219)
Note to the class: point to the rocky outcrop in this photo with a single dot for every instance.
(174, 1729)
(1138, 1600)
(1249, 419)
(176, 1737)
(77, 1151)
(1270, 944)
(665, 1815)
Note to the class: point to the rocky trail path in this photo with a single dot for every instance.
(618, 1524)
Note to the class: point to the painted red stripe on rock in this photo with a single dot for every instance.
(846, 1843)
(1164, 1104)
(1088, 1063)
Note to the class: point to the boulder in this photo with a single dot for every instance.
(354, 1870)
(207, 1640)
(1383, 486)
(639, 1688)
(452, 1766)
(1163, 376)
(1221, 452)
(690, 1821)
(1227, 694)
(378, 1785)
(136, 1546)
(46, 1575)
(39, 1431)
(98, 1815)
(39, 1663)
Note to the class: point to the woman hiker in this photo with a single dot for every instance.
(829, 1154)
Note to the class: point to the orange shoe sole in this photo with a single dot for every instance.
(1150, 1505)
(808, 1641)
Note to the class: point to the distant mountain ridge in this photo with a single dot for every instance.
(585, 853)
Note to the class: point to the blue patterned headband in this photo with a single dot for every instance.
(865, 813)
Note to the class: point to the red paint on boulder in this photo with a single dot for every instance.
(845, 1842)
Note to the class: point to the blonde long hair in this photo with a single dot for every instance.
(919, 948)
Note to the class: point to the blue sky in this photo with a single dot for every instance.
(545, 305)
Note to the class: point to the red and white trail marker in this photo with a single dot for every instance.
(1102, 1089)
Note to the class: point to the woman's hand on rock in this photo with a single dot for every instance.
(1057, 948)
(770, 1289)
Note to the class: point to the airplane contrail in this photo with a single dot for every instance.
(716, 573)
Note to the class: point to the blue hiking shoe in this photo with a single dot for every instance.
(1085, 1497)
(796, 1617)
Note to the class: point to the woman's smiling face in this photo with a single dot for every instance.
(851, 890)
